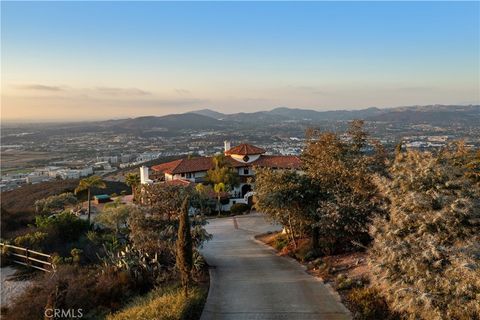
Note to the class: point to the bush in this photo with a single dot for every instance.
(66, 226)
(96, 293)
(425, 258)
(239, 208)
(32, 240)
(281, 241)
(55, 203)
(4, 259)
(165, 304)
(367, 304)
(14, 223)
(54, 233)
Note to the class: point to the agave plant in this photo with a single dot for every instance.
(140, 265)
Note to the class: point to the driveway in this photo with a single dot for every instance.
(249, 281)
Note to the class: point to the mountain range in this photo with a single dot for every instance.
(437, 114)
(209, 119)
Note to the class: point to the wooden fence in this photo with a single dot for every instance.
(29, 258)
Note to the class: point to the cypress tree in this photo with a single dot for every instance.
(184, 247)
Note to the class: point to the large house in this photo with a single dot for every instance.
(244, 158)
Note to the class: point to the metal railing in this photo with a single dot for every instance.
(28, 258)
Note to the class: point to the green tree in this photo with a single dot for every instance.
(347, 196)
(55, 203)
(114, 217)
(133, 181)
(153, 227)
(288, 198)
(219, 188)
(185, 247)
(203, 194)
(222, 173)
(87, 184)
(425, 257)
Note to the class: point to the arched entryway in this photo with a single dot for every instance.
(246, 188)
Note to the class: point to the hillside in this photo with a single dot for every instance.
(209, 113)
(18, 210)
(436, 114)
(169, 122)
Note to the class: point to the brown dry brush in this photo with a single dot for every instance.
(425, 258)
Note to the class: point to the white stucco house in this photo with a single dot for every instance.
(243, 158)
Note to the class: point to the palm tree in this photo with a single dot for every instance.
(132, 180)
(88, 184)
(219, 188)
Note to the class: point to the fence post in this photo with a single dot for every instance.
(26, 256)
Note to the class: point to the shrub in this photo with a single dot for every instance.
(164, 304)
(425, 258)
(65, 226)
(281, 241)
(72, 288)
(4, 259)
(367, 304)
(76, 255)
(55, 203)
(32, 240)
(54, 234)
(239, 208)
(13, 223)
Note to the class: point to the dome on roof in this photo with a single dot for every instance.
(245, 149)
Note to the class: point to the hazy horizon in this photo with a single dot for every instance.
(46, 121)
(86, 61)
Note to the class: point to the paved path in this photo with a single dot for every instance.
(248, 281)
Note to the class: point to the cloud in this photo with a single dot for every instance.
(182, 92)
(40, 87)
(121, 91)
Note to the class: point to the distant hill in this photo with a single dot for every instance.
(312, 115)
(209, 113)
(256, 117)
(210, 119)
(435, 115)
(169, 122)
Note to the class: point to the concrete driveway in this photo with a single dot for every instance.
(249, 281)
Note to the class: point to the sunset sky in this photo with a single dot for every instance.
(100, 60)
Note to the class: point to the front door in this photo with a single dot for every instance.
(246, 188)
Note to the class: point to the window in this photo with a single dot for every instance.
(245, 171)
(189, 175)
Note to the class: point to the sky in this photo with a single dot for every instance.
(104, 60)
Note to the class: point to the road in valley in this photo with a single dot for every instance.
(249, 281)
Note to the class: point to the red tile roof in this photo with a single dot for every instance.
(179, 182)
(167, 166)
(206, 163)
(185, 165)
(245, 149)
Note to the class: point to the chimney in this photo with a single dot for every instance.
(144, 175)
(226, 145)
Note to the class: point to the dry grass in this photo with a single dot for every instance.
(165, 304)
